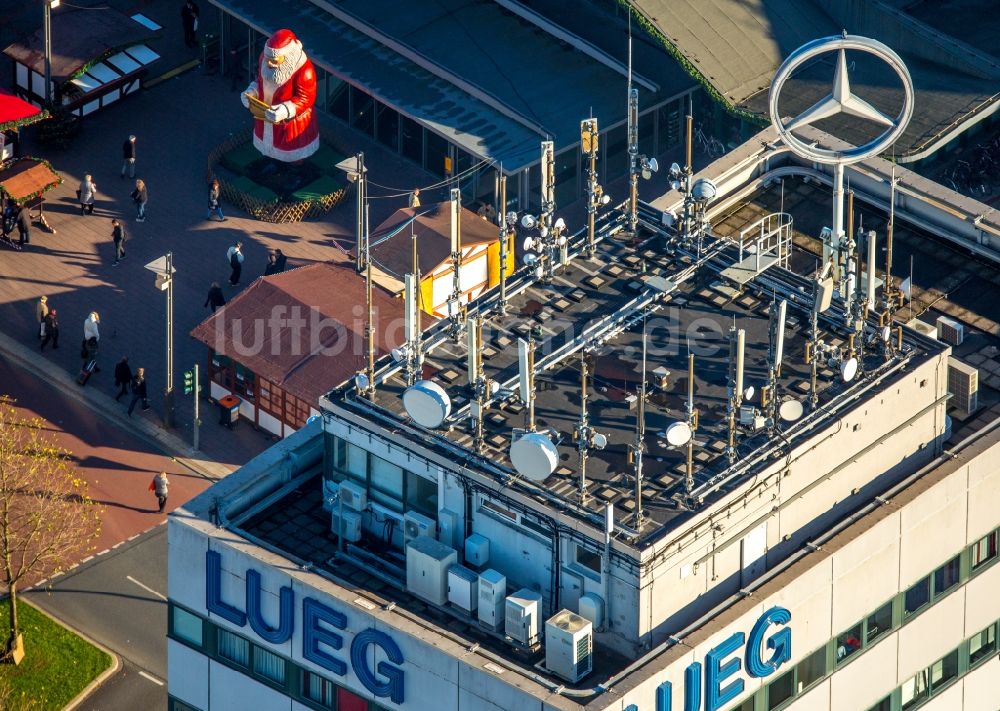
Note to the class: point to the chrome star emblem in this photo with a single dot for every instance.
(841, 100)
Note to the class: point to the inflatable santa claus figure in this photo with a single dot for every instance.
(286, 83)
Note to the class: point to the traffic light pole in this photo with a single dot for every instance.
(168, 392)
(197, 395)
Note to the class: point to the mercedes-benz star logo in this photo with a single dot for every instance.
(841, 100)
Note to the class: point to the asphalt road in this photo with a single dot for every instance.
(119, 600)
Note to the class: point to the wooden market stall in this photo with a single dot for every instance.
(25, 181)
(15, 113)
(98, 58)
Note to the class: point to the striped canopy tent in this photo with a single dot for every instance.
(16, 112)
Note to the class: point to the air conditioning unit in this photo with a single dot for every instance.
(521, 621)
(747, 414)
(569, 643)
(427, 563)
(923, 327)
(492, 599)
(592, 608)
(477, 550)
(416, 524)
(463, 588)
(950, 331)
(352, 525)
(963, 385)
(353, 495)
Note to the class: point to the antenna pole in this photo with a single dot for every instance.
(476, 380)
(688, 170)
(849, 283)
(505, 234)
(531, 385)
(369, 326)
(548, 209)
(813, 356)
(456, 263)
(589, 138)
(736, 344)
(640, 435)
(362, 200)
(692, 418)
(583, 430)
(890, 288)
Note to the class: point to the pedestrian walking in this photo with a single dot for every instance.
(189, 20)
(235, 257)
(138, 386)
(50, 330)
(123, 377)
(215, 297)
(86, 193)
(8, 217)
(23, 221)
(41, 311)
(415, 198)
(118, 237)
(128, 157)
(91, 340)
(140, 196)
(280, 261)
(160, 486)
(213, 202)
(270, 268)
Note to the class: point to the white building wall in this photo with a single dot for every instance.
(187, 673)
(229, 690)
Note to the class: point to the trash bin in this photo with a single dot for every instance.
(229, 411)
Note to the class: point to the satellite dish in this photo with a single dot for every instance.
(605, 199)
(494, 388)
(749, 392)
(646, 174)
(600, 441)
(886, 333)
(427, 403)
(704, 190)
(675, 169)
(398, 355)
(562, 240)
(534, 456)
(669, 219)
(528, 244)
(678, 434)
(530, 258)
(790, 410)
(511, 218)
(528, 222)
(539, 272)
(675, 185)
(543, 231)
(560, 224)
(848, 369)
(653, 164)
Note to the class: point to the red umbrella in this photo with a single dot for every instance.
(15, 112)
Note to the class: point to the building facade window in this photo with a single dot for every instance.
(848, 643)
(878, 623)
(187, 626)
(780, 690)
(917, 596)
(232, 647)
(437, 151)
(946, 577)
(944, 670)
(883, 705)
(984, 550)
(982, 645)
(411, 136)
(338, 100)
(386, 485)
(268, 665)
(914, 690)
(317, 689)
(810, 670)
(387, 126)
(588, 559)
(362, 111)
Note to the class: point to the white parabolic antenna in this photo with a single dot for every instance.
(678, 434)
(848, 369)
(534, 456)
(599, 440)
(749, 392)
(427, 403)
(790, 410)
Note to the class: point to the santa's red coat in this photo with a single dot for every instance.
(295, 138)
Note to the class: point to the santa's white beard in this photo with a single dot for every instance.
(284, 71)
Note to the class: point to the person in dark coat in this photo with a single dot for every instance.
(123, 377)
(128, 157)
(213, 202)
(235, 257)
(138, 390)
(280, 261)
(51, 329)
(23, 221)
(270, 268)
(215, 297)
(118, 236)
(189, 20)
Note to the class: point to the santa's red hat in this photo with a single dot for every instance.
(281, 42)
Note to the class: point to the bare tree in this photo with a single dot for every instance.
(46, 517)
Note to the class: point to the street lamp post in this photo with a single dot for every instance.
(164, 270)
(49, 4)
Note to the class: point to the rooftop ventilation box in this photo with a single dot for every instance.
(427, 563)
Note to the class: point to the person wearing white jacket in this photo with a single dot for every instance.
(87, 191)
(90, 327)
